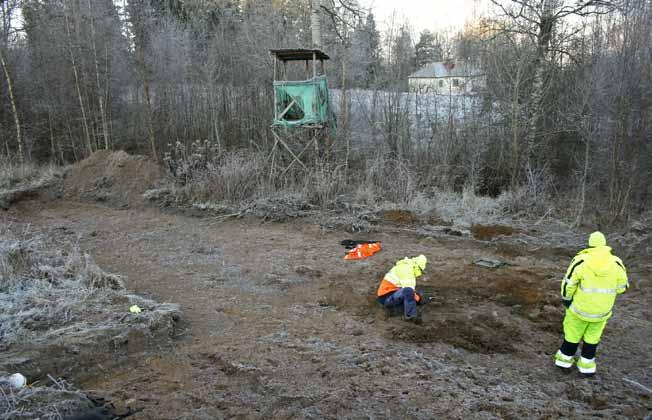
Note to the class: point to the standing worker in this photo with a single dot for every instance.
(593, 279)
(397, 287)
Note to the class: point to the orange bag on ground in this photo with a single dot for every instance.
(362, 251)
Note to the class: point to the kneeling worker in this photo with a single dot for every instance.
(588, 291)
(397, 287)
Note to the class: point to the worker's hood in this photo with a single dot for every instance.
(598, 259)
(597, 239)
(421, 261)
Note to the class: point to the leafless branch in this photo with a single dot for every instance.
(347, 5)
(581, 9)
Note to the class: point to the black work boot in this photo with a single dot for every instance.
(415, 319)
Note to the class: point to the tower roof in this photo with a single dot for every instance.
(297, 54)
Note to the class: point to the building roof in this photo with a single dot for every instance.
(440, 69)
(295, 54)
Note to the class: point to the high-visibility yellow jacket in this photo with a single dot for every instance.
(403, 274)
(593, 279)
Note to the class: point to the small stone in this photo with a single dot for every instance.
(489, 263)
(307, 270)
(120, 408)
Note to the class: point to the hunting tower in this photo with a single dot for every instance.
(302, 111)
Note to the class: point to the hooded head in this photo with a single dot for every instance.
(597, 239)
(421, 261)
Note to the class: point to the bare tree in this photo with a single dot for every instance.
(7, 9)
(140, 25)
(538, 22)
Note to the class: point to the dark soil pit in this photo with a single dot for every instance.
(517, 289)
(479, 334)
(488, 232)
(452, 296)
(513, 294)
(521, 287)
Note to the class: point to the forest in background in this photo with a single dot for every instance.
(563, 127)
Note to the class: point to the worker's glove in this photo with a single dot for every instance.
(566, 303)
(423, 300)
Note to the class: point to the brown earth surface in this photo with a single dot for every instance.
(276, 324)
(489, 232)
(398, 216)
(114, 178)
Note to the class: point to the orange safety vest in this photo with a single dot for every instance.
(400, 276)
(362, 251)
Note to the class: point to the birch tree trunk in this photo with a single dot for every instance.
(87, 135)
(315, 24)
(14, 108)
(100, 96)
(585, 174)
(142, 69)
(343, 102)
(544, 36)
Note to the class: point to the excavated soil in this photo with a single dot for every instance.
(114, 178)
(489, 232)
(276, 324)
(398, 216)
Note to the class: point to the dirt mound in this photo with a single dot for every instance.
(488, 232)
(117, 178)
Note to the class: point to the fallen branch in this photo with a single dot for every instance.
(59, 385)
(543, 217)
(637, 385)
(11, 403)
(224, 217)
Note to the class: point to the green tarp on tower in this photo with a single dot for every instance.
(300, 103)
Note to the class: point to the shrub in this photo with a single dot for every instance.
(14, 174)
(205, 174)
(390, 180)
(323, 184)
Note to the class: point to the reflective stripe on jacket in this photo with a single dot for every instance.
(403, 274)
(593, 279)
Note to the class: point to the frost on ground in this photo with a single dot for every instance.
(59, 312)
(23, 180)
(43, 402)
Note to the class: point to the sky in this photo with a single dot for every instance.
(426, 14)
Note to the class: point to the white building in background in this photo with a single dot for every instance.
(447, 79)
